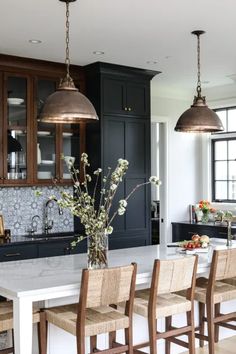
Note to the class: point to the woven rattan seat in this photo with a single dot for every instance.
(98, 320)
(96, 313)
(231, 281)
(167, 304)
(6, 316)
(210, 293)
(168, 277)
(6, 321)
(222, 291)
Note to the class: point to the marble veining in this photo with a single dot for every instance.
(19, 204)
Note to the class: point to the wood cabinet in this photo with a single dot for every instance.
(185, 230)
(30, 150)
(122, 133)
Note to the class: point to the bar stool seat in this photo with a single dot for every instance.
(96, 313)
(98, 320)
(222, 291)
(167, 304)
(231, 281)
(6, 322)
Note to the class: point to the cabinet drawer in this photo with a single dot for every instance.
(50, 249)
(14, 253)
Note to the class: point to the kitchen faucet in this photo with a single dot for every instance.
(33, 225)
(48, 224)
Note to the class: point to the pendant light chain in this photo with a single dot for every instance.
(67, 61)
(198, 67)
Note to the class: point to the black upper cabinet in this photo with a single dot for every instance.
(125, 97)
(121, 96)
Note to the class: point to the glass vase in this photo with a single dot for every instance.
(97, 251)
(205, 216)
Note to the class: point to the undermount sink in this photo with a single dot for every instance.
(49, 236)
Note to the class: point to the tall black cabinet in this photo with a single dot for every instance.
(121, 96)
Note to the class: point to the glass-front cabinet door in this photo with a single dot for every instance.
(70, 149)
(46, 149)
(15, 141)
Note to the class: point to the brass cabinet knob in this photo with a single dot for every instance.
(129, 109)
(126, 109)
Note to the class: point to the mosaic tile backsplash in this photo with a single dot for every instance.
(18, 205)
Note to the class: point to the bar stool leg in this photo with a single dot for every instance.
(191, 335)
(210, 327)
(152, 328)
(201, 322)
(217, 327)
(42, 333)
(129, 340)
(93, 344)
(168, 325)
(112, 338)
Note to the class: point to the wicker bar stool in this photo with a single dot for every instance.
(94, 314)
(160, 301)
(6, 322)
(210, 293)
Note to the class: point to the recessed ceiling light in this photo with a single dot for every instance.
(35, 41)
(151, 62)
(98, 52)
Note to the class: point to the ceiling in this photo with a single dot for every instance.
(130, 32)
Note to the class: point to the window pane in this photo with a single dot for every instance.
(232, 149)
(221, 190)
(232, 190)
(232, 120)
(221, 150)
(232, 170)
(221, 170)
(222, 116)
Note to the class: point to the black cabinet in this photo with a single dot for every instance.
(18, 252)
(185, 230)
(125, 97)
(121, 96)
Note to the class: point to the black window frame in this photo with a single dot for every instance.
(221, 136)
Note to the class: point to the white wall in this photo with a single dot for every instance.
(184, 160)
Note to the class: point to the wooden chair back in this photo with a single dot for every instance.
(223, 264)
(175, 275)
(103, 287)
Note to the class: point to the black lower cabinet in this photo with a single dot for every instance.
(15, 253)
(185, 230)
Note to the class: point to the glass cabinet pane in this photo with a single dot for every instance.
(46, 134)
(16, 154)
(71, 147)
(16, 127)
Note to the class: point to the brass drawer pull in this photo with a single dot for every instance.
(12, 254)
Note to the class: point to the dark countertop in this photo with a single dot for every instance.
(39, 238)
(210, 223)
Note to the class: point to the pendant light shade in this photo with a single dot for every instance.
(199, 118)
(67, 104)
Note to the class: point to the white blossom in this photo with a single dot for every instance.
(123, 203)
(155, 180)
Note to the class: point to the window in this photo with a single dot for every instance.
(224, 158)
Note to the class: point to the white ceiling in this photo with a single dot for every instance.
(130, 32)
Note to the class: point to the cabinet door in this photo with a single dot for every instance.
(137, 99)
(46, 148)
(17, 126)
(114, 96)
(71, 149)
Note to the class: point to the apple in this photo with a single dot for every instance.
(196, 237)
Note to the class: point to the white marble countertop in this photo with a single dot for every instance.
(28, 281)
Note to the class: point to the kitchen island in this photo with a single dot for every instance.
(57, 280)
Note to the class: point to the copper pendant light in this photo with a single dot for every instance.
(199, 118)
(67, 104)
